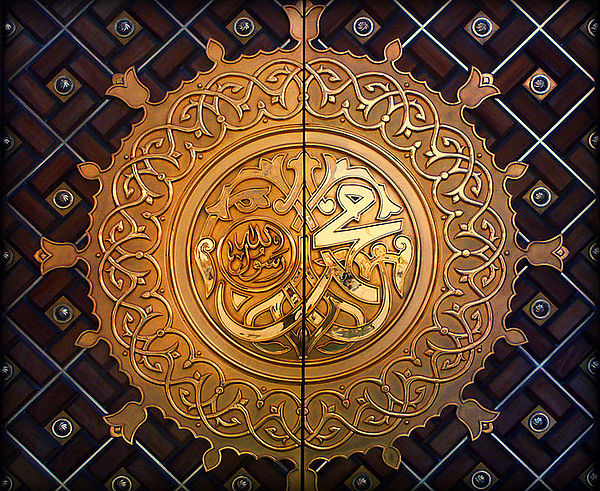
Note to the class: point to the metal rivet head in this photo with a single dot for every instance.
(121, 483)
(6, 257)
(62, 313)
(6, 483)
(363, 26)
(63, 198)
(62, 428)
(243, 27)
(481, 27)
(124, 28)
(481, 479)
(592, 27)
(594, 252)
(540, 308)
(540, 196)
(539, 422)
(539, 84)
(593, 140)
(593, 364)
(362, 482)
(7, 371)
(8, 142)
(64, 85)
(241, 483)
(9, 27)
(591, 477)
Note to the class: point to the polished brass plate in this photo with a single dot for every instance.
(302, 219)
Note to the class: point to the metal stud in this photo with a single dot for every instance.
(243, 27)
(592, 365)
(63, 198)
(593, 140)
(7, 371)
(8, 142)
(594, 252)
(241, 483)
(7, 257)
(591, 477)
(481, 479)
(64, 85)
(124, 27)
(592, 27)
(62, 313)
(539, 422)
(9, 27)
(540, 308)
(361, 482)
(62, 428)
(363, 26)
(6, 483)
(540, 84)
(481, 27)
(540, 196)
(121, 483)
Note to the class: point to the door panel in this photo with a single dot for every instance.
(52, 384)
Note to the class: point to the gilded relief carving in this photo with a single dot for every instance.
(302, 218)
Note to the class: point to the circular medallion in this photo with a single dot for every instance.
(481, 27)
(243, 27)
(363, 26)
(539, 84)
(302, 247)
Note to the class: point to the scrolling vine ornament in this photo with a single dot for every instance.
(301, 207)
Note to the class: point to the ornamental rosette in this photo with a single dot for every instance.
(302, 251)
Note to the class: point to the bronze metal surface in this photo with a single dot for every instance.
(302, 218)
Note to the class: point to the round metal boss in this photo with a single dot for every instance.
(363, 26)
(8, 142)
(481, 27)
(6, 484)
(593, 140)
(539, 422)
(63, 198)
(7, 371)
(594, 251)
(7, 257)
(243, 27)
(62, 428)
(593, 364)
(481, 479)
(9, 27)
(241, 483)
(539, 84)
(62, 313)
(121, 483)
(592, 27)
(63, 85)
(591, 477)
(124, 28)
(362, 482)
(540, 196)
(540, 308)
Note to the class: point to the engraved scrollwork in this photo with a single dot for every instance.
(224, 254)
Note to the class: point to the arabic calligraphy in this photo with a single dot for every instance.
(360, 254)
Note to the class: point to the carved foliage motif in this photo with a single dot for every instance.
(225, 251)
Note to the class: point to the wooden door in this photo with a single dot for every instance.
(59, 58)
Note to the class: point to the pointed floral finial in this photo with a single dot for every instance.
(304, 20)
(477, 88)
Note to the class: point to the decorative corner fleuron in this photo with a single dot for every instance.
(302, 170)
